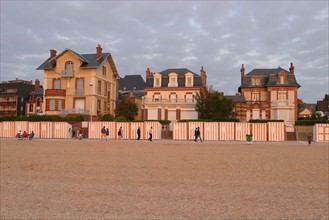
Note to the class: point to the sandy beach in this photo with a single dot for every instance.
(92, 179)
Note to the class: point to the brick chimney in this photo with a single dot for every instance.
(98, 52)
(292, 68)
(148, 72)
(52, 53)
(37, 85)
(203, 77)
(242, 72)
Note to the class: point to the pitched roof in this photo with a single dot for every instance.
(88, 60)
(131, 82)
(322, 106)
(181, 78)
(268, 77)
(19, 88)
(236, 98)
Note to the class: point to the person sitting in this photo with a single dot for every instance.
(31, 135)
(19, 135)
(24, 135)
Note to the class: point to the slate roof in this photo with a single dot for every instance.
(322, 106)
(303, 106)
(268, 77)
(88, 60)
(236, 98)
(131, 82)
(181, 78)
(23, 89)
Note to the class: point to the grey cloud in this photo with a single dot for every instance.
(217, 35)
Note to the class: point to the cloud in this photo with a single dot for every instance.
(219, 35)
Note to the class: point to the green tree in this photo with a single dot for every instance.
(126, 108)
(211, 104)
(326, 97)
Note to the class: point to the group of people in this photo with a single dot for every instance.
(105, 133)
(24, 135)
(76, 133)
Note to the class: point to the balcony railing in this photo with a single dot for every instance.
(79, 92)
(79, 111)
(282, 103)
(67, 73)
(55, 92)
(168, 101)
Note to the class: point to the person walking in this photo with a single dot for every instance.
(107, 132)
(309, 139)
(198, 134)
(150, 134)
(120, 133)
(138, 133)
(103, 133)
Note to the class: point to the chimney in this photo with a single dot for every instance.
(37, 85)
(52, 53)
(98, 52)
(242, 72)
(292, 68)
(148, 72)
(203, 77)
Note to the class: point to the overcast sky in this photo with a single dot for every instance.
(218, 35)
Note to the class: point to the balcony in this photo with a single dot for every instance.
(75, 111)
(67, 73)
(55, 92)
(282, 104)
(150, 101)
(79, 92)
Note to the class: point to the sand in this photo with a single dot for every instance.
(72, 179)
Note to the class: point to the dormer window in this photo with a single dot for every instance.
(189, 80)
(282, 78)
(255, 81)
(157, 80)
(69, 70)
(173, 82)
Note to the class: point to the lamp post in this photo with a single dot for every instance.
(91, 102)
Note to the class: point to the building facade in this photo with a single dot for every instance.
(79, 83)
(13, 97)
(270, 94)
(35, 100)
(170, 94)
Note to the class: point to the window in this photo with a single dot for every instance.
(99, 87)
(98, 105)
(189, 98)
(156, 97)
(38, 102)
(57, 84)
(255, 81)
(173, 97)
(80, 86)
(189, 81)
(52, 104)
(172, 80)
(104, 71)
(59, 108)
(69, 70)
(255, 96)
(105, 89)
(282, 95)
(157, 82)
(30, 107)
